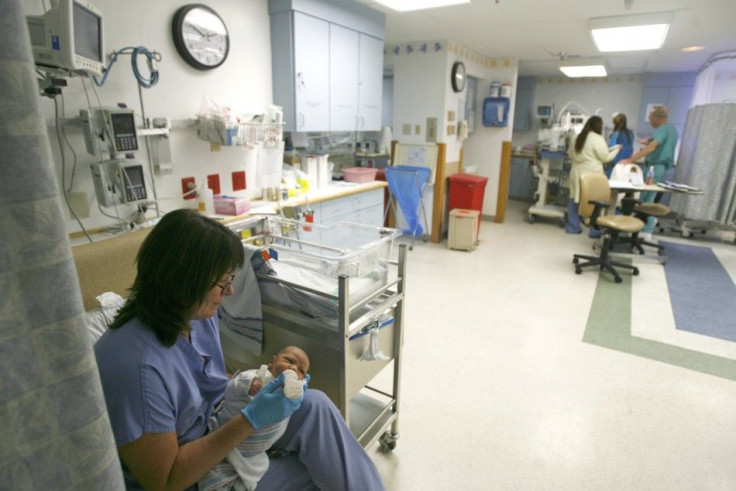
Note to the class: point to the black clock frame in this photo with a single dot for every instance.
(458, 83)
(177, 24)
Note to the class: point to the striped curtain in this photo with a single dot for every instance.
(55, 432)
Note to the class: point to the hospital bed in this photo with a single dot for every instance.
(369, 317)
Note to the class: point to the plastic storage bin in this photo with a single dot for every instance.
(463, 232)
(315, 255)
(359, 174)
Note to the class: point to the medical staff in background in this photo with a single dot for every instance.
(588, 153)
(659, 154)
(621, 136)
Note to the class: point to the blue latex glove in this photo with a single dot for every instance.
(270, 405)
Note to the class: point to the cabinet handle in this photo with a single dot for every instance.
(300, 80)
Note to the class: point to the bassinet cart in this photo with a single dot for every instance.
(337, 292)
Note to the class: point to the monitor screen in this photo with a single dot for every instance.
(544, 110)
(87, 33)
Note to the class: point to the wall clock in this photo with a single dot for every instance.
(458, 76)
(200, 36)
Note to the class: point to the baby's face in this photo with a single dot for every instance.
(291, 358)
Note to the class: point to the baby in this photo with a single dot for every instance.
(245, 465)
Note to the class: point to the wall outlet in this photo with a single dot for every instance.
(213, 182)
(239, 180)
(187, 184)
(406, 129)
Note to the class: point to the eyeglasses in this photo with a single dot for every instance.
(225, 286)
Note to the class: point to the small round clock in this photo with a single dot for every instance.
(458, 76)
(200, 36)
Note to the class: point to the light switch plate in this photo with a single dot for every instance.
(431, 130)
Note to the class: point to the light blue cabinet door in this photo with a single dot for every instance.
(370, 87)
(312, 72)
(344, 49)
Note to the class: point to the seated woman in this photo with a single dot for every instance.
(163, 372)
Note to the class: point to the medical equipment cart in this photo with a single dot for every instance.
(365, 320)
(550, 184)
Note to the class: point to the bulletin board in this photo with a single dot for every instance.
(418, 155)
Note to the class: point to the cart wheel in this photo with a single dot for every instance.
(618, 279)
(562, 222)
(531, 219)
(575, 260)
(686, 234)
(387, 442)
(636, 272)
(578, 270)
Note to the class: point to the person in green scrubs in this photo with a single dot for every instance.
(659, 153)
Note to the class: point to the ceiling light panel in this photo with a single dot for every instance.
(408, 5)
(576, 71)
(630, 32)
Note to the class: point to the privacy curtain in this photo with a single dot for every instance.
(54, 430)
(707, 160)
(706, 76)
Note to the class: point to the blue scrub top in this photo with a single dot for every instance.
(150, 388)
(627, 145)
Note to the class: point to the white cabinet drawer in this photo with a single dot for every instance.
(346, 207)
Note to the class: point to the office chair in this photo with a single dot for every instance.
(594, 196)
(642, 211)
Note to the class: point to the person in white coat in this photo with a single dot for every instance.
(588, 154)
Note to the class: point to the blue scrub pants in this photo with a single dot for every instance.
(659, 174)
(326, 454)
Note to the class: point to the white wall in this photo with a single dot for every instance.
(243, 82)
(422, 89)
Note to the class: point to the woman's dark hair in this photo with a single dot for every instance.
(619, 124)
(177, 264)
(594, 124)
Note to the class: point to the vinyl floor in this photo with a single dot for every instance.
(500, 390)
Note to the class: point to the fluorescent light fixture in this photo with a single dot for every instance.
(692, 49)
(630, 32)
(583, 67)
(407, 5)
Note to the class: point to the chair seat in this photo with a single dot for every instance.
(653, 209)
(622, 223)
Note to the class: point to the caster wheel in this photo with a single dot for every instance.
(618, 280)
(663, 263)
(578, 270)
(562, 223)
(686, 235)
(387, 442)
(636, 272)
(575, 260)
(531, 219)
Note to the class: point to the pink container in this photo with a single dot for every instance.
(359, 174)
(225, 205)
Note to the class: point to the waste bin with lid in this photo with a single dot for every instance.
(467, 192)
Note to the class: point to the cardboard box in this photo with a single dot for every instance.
(228, 205)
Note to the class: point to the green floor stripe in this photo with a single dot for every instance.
(609, 326)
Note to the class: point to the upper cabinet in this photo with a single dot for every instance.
(327, 64)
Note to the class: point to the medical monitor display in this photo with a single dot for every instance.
(69, 36)
(87, 33)
(545, 110)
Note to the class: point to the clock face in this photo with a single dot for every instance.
(458, 77)
(200, 36)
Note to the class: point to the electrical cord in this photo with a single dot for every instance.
(151, 59)
(66, 140)
(63, 171)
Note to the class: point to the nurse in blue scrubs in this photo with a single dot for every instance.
(163, 372)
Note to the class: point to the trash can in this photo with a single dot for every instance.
(463, 233)
(467, 192)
